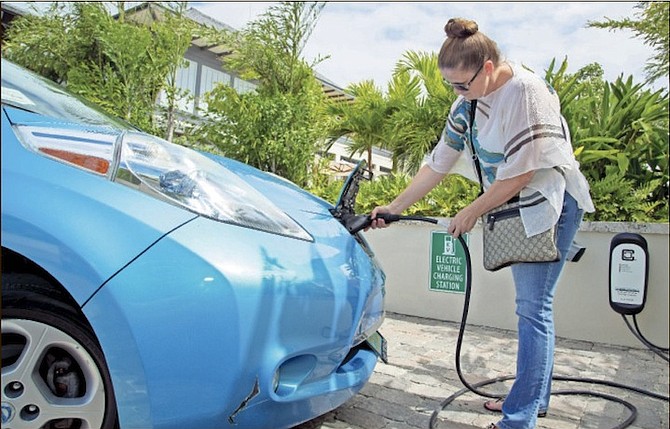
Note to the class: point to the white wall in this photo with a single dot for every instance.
(582, 309)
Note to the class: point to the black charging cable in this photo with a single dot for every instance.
(662, 352)
(363, 221)
(644, 340)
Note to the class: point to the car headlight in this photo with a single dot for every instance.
(165, 170)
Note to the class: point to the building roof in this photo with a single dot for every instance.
(201, 18)
(15, 8)
(332, 90)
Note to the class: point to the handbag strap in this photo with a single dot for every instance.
(475, 158)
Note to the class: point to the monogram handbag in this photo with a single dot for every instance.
(506, 243)
(504, 236)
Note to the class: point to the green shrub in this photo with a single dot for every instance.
(620, 136)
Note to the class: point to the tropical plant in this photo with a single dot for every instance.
(363, 121)
(281, 126)
(279, 134)
(408, 120)
(174, 33)
(270, 48)
(617, 198)
(620, 136)
(421, 102)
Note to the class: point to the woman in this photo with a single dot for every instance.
(523, 146)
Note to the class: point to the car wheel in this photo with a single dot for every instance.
(54, 374)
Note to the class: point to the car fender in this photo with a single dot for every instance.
(78, 226)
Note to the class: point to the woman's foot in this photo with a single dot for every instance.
(496, 407)
(492, 426)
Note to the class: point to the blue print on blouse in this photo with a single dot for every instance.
(457, 131)
(489, 161)
(457, 126)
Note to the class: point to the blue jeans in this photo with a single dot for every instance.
(535, 286)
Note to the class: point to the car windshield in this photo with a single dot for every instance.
(28, 91)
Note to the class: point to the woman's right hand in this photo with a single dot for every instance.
(378, 223)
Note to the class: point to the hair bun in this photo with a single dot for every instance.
(460, 28)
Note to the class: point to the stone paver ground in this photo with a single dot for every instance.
(421, 374)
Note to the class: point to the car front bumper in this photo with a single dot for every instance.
(221, 326)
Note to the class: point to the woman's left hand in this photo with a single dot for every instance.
(463, 222)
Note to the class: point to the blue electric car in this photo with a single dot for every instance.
(147, 285)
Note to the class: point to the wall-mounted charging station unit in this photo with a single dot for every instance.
(629, 268)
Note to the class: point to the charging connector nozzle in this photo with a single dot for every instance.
(358, 223)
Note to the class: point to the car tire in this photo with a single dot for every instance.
(54, 373)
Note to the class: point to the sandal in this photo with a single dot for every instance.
(496, 407)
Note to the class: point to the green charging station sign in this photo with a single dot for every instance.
(447, 263)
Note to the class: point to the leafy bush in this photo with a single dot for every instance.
(278, 133)
(118, 64)
(620, 135)
(616, 198)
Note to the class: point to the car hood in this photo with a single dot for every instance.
(311, 212)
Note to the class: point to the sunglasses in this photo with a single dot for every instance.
(465, 86)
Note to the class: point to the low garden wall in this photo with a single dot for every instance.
(582, 309)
